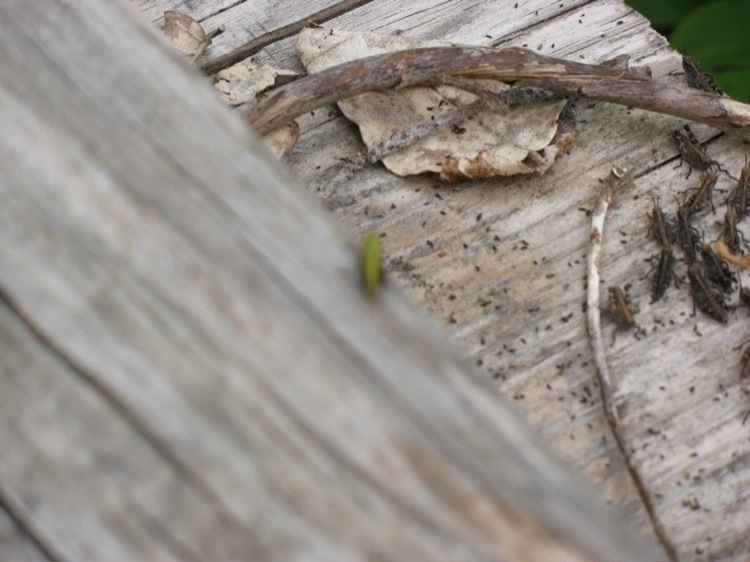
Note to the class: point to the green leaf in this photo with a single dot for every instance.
(737, 82)
(664, 14)
(717, 36)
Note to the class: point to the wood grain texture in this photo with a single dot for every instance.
(190, 367)
(501, 264)
(250, 26)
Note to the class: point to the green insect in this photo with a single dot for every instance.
(372, 272)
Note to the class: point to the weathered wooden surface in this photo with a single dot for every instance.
(189, 366)
(501, 264)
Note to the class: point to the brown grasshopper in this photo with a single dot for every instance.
(745, 363)
(731, 236)
(706, 297)
(687, 236)
(659, 228)
(717, 270)
(663, 274)
(698, 199)
(621, 310)
(691, 151)
(739, 197)
(697, 79)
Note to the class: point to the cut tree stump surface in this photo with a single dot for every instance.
(191, 370)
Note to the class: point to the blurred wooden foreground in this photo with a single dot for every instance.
(191, 370)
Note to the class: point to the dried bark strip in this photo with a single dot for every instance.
(521, 67)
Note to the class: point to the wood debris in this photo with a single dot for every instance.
(187, 35)
(723, 251)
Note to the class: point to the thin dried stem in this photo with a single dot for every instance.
(593, 319)
(521, 67)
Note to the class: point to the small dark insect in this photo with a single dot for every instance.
(660, 229)
(745, 363)
(687, 236)
(739, 197)
(691, 150)
(697, 79)
(745, 296)
(706, 297)
(731, 236)
(697, 200)
(620, 308)
(663, 274)
(717, 270)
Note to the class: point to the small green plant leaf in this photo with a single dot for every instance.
(664, 14)
(716, 34)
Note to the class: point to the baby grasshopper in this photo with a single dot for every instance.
(717, 270)
(697, 79)
(706, 297)
(660, 229)
(745, 296)
(745, 363)
(697, 200)
(739, 197)
(687, 236)
(663, 274)
(621, 310)
(729, 233)
(691, 150)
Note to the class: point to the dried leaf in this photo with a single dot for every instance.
(281, 140)
(186, 34)
(723, 251)
(502, 141)
(243, 81)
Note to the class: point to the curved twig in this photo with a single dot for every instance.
(593, 321)
(521, 67)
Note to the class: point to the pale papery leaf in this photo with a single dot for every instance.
(505, 141)
(186, 34)
(243, 81)
(281, 140)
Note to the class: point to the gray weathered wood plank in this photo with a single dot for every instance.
(196, 371)
(511, 294)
